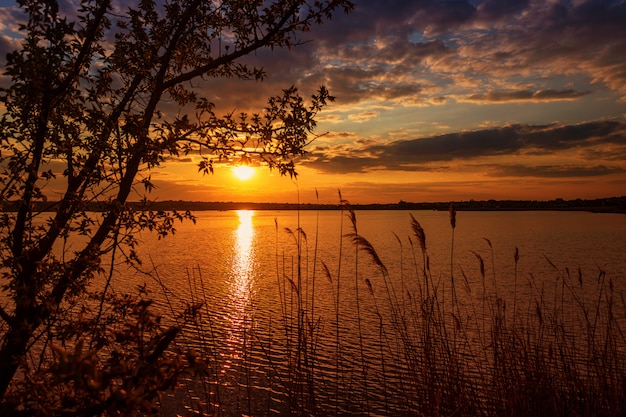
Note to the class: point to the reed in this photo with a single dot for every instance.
(551, 350)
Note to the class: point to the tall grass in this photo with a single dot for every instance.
(555, 349)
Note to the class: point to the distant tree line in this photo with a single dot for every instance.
(604, 205)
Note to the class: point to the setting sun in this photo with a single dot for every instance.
(243, 172)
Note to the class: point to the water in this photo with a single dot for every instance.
(272, 321)
(243, 252)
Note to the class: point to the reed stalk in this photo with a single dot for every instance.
(558, 351)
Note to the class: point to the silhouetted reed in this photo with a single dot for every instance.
(559, 351)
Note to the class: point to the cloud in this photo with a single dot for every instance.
(521, 140)
(526, 96)
(551, 40)
(497, 11)
(519, 50)
(419, 52)
(363, 116)
(553, 171)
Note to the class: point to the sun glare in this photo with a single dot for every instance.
(243, 172)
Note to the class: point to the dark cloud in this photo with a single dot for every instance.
(396, 50)
(341, 164)
(10, 19)
(498, 10)
(556, 38)
(552, 171)
(417, 154)
(370, 19)
(439, 17)
(503, 41)
(526, 95)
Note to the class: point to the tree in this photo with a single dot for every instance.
(85, 107)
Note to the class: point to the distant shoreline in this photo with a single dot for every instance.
(600, 205)
(605, 205)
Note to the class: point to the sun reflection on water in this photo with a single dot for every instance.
(240, 288)
(242, 265)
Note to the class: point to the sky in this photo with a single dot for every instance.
(440, 101)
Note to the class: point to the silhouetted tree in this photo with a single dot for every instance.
(85, 106)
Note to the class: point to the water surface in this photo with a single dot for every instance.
(287, 288)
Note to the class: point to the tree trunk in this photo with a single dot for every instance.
(12, 352)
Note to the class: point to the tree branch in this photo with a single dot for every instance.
(228, 58)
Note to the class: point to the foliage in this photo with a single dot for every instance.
(116, 362)
(87, 107)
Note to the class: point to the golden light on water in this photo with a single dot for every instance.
(245, 236)
(243, 261)
(240, 285)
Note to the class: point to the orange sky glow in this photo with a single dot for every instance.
(439, 101)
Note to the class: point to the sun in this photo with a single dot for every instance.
(243, 172)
